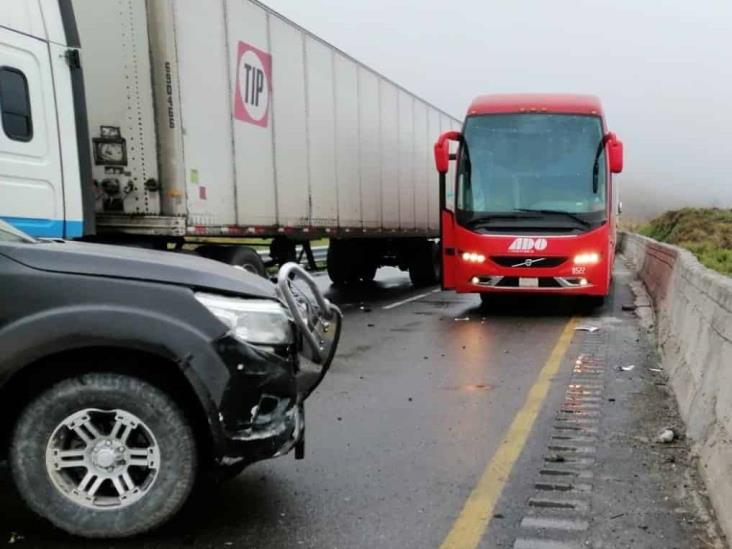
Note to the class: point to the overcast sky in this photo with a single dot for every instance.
(663, 69)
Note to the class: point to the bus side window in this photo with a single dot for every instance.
(15, 107)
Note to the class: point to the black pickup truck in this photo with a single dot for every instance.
(126, 374)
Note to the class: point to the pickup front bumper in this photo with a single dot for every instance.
(262, 412)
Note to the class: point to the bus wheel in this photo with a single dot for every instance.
(486, 300)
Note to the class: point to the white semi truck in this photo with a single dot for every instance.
(151, 122)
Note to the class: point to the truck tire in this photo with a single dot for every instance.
(368, 272)
(341, 265)
(238, 256)
(282, 250)
(424, 268)
(103, 455)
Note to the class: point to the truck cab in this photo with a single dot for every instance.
(43, 149)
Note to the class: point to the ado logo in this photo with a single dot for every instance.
(528, 245)
(253, 85)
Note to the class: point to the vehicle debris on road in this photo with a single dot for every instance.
(588, 329)
(667, 436)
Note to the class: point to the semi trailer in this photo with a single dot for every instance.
(154, 123)
(535, 204)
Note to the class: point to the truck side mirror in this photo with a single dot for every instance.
(442, 150)
(615, 152)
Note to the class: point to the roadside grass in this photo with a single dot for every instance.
(706, 232)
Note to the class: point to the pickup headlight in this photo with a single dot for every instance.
(258, 321)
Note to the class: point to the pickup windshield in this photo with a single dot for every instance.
(531, 166)
(9, 234)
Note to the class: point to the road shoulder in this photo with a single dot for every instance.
(599, 477)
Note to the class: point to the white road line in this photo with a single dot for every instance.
(405, 301)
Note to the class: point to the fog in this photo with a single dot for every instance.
(663, 69)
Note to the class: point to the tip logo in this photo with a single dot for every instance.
(253, 85)
(528, 245)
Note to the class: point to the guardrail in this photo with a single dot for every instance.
(694, 316)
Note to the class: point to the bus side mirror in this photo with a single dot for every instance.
(442, 150)
(615, 151)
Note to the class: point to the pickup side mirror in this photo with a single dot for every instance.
(615, 153)
(442, 150)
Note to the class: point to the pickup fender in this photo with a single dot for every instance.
(69, 328)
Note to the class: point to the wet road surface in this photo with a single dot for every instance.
(424, 388)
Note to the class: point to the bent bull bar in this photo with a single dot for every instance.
(318, 321)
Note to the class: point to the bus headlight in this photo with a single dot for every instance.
(591, 258)
(471, 257)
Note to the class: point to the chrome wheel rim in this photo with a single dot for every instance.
(103, 459)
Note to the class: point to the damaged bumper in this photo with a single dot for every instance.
(262, 412)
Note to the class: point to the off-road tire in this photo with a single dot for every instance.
(173, 434)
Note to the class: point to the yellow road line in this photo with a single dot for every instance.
(473, 520)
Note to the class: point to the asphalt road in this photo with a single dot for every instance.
(421, 397)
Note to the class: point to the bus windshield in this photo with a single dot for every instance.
(532, 164)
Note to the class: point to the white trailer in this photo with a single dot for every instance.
(224, 119)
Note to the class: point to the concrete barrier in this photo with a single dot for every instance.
(694, 316)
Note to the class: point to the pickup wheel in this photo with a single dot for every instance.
(103, 455)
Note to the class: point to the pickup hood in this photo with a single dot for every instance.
(138, 264)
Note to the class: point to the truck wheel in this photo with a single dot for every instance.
(424, 269)
(341, 263)
(240, 256)
(368, 272)
(103, 455)
(282, 250)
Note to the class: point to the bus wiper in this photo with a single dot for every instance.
(476, 221)
(596, 164)
(575, 217)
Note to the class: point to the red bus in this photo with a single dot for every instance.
(533, 207)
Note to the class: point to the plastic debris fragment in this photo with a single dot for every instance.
(666, 436)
